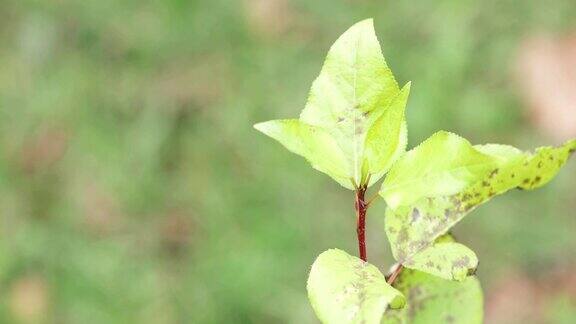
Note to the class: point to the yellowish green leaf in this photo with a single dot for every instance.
(444, 164)
(357, 103)
(311, 142)
(448, 260)
(433, 300)
(344, 289)
(412, 228)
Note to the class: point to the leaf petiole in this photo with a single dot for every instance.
(395, 274)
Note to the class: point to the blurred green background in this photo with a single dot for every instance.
(133, 188)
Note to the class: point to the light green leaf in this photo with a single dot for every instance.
(345, 289)
(448, 260)
(444, 164)
(357, 102)
(413, 228)
(311, 142)
(434, 300)
(387, 138)
(544, 164)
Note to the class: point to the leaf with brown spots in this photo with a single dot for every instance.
(413, 228)
(448, 260)
(543, 165)
(434, 300)
(345, 289)
(443, 164)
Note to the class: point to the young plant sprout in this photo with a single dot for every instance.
(353, 129)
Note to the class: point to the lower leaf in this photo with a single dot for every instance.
(344, 289)
(434, 300)
(448, 260)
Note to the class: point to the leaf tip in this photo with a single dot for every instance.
(407, 86)
(369, 22)
(260, 127)
(267, 127)
(363, 26)
(405, 91)
(571, 145)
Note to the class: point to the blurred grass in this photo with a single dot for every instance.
(134, 189)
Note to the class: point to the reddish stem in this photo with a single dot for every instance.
(361, 206)
(395, 274)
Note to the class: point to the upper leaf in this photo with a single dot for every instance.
(424, 171)
(413, 223)
(311, 142)
(357, 103)
(387, 138)
(433, 300)
(345, 289)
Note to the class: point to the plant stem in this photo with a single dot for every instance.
(395, 274)
(361, 206)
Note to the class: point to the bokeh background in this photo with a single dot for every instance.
(133, 188)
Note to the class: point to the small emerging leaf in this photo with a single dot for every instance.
(345, 289)
(434, 300)
(414, 222)
(356, 105)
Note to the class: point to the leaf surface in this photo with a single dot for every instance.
(311, 142)
(447, 260)
(387, 138)
(345, 289)
(414, 224)
(355, 101)
(443, 164)
(434, 300)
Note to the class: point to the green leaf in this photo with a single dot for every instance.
(444, 164)
(357, 103)
(345, 289)
(387, 138)
(544, 164)
(414, 226)
(434, 300)
(448, 260)
(311, 142)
